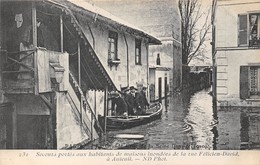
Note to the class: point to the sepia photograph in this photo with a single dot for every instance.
(124, 76)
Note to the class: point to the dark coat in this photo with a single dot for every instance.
(120, 104)
(131, 103)
(141, 100)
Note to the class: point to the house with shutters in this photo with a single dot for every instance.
(236, 52)
(58, 62)
(160, 18)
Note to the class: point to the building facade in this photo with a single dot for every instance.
(160, 18)
(236, 36)
(57, 57)
(159, 83)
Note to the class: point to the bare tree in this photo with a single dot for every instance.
(193, 37)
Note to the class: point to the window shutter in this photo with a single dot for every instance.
(242, 30)
(244, 83)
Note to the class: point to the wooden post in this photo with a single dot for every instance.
(105, 110)
(61, 33)
(148, 83)
(95, 102)
(34, 28)
(34, 24)
(14, 131)
(79, 68)
(127, 61)
(81, 110)
(91, 127)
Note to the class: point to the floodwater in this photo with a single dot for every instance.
(190, 121)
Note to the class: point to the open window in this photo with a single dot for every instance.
(112, 49)
(249, 30)
(254, 29)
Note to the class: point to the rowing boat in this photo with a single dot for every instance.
(122, 122)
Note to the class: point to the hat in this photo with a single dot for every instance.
(114, 94)
(124, 89)
(144, 88)
(132, 87)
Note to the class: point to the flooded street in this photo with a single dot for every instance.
(191, 122)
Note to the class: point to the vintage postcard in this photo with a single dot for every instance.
(130, 81)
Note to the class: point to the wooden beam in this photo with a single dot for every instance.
(81, 111)
(105, 110)
(79, 68)
(95, 102)
(34, 24)
(14, 131)
(47, 102)
(24, 65)
(34, 27)
(61, 33)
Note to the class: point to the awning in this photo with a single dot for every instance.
(93, 72)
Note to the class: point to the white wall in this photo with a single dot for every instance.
(69, 130)
(96, 101)
(227, 22)
(138, 73)
(228, 75)
(229, 57)
(154, 79)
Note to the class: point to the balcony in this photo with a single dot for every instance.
(30, 71)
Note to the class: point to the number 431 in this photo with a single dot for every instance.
(23, 154)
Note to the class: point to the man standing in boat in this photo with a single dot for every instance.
(130, 99)
(141, 101)
(119, 105)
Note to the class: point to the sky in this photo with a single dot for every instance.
(206, 4)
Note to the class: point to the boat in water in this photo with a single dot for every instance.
(124, 122)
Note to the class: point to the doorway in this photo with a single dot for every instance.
(166, 90)
(160, 89)
(32, 131)
(6, 126)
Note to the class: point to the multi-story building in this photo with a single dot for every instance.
(236, 52)
(160, 18)
(59, 60)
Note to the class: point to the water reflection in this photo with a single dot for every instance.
(239, 128)
(201, 120)
(192, 121)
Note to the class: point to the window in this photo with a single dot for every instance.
(254, 80)
(138, 51)
(254, 29)
(249, 82)
(249, 30)
(158, 60)
(112, 46)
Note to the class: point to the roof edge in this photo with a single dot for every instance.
(110, 18)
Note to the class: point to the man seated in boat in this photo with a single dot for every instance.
(141, 101)
(129, 96)
(119, 105)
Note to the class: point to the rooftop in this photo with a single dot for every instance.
(102, 15)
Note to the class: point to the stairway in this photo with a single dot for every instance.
(83, 110)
